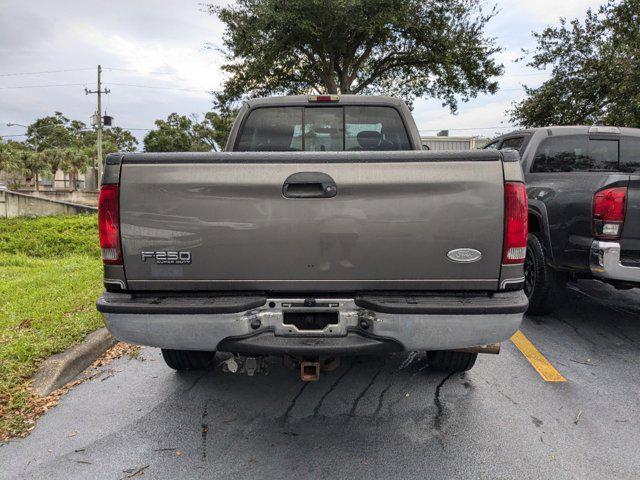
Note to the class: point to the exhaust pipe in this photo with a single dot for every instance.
(492, 348)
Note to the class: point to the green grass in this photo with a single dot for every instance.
(50, 278)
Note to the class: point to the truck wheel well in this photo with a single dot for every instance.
(534, 224)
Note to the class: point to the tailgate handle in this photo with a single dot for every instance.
(309, 185)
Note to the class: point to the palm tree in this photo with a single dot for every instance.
(33, 163)
(72, 161)
(53, 158)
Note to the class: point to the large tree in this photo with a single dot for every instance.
(595, 70)
(179, 133)
(58, 131)
(407, 48)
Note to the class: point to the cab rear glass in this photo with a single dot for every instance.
(323, 129)
(576, 153)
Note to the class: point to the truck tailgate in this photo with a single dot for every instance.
(392, 222)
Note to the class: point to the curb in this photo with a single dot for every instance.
(61, 368)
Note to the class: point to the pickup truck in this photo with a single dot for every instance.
(323, 230)
(583, 187)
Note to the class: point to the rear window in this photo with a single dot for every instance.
(576, 153)
(630, 157)
(323, 129)
(514, 143)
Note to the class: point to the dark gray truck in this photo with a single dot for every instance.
(583, 185)
(322, 231)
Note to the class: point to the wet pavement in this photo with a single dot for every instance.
(374, 417)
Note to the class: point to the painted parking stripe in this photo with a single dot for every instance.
(536, 359)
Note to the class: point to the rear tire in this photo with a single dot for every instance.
(187, 359)
(451, 361)
(541, 281)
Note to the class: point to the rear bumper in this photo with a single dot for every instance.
(604, 261)
(365, 324)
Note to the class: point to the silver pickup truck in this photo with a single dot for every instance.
(322, 231)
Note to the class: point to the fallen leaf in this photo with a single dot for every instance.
(72, 434)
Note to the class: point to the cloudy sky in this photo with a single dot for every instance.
(155, 61)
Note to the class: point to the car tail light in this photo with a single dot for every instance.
(516, 223)
(609, 210)
(109, 224)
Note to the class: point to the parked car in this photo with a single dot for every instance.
(324, 230)
(583, 186)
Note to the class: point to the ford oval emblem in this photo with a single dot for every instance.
(464, 255)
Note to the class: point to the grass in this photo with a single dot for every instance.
(50, 278)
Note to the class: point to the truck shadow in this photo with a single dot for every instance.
(592, 317)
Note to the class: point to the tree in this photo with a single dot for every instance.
(53, 159)
(118, 139)
(179, 133)
(406, 48)
(10, 164)
(58, 131)
(215, 128)
(595, 70)
(53, 131)
(33, 164)
(73, 160)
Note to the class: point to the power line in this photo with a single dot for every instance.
(44, 71)
(158, 87)
(45, 86)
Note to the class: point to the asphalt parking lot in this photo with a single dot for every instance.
(372, 418)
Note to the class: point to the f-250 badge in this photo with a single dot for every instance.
(167, 258)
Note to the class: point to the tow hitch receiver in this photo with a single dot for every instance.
(310, 371)
(310, 367)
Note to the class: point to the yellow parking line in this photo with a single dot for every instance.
(536, 359)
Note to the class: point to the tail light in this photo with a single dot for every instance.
(109, 224)
(609, 210)
(516, 223)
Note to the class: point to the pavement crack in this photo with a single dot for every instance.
(316, 409)
(293, 403)
(204, 425)
(360, 396)
(578, 332)
(381, 398)
(440, 414)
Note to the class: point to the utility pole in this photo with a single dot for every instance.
(98, 118)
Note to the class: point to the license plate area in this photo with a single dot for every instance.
(310, 320)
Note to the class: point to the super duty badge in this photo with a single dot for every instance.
(167, 258)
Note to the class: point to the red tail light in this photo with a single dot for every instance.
(609, 210)
(109, 224)
(516, 223)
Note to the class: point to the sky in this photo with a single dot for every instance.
(157, 59)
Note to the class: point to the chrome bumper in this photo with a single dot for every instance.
(357, 331)
(605, 263)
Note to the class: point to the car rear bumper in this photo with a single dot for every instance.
(605, 263)
(363, 325)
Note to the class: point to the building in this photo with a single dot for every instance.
(443, 141)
